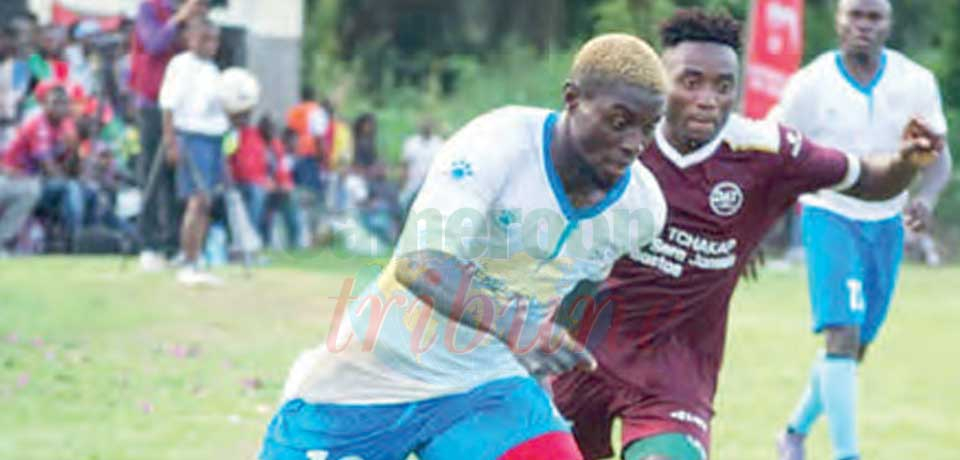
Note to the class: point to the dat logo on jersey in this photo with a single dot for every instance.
(726, 199)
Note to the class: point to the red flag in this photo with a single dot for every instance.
(773, 54)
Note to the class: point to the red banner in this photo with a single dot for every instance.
(773, 54)
(63, 16)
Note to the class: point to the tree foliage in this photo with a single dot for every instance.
(457, 57)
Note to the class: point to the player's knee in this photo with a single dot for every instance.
(667, 446)
(843, 342)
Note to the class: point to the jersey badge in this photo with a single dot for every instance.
(726, 199)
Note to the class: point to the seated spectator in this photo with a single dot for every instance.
(9, 94)
(45, 146)
(380, 211)
(102, 178)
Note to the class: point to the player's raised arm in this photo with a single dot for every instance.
(885, 177)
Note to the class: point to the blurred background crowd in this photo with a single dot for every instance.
(355, 97)
(86, 163)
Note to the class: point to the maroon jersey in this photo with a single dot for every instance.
(721, 201)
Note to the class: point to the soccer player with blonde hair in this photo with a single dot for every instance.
(439, 356)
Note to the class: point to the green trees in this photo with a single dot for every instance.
(456, 58)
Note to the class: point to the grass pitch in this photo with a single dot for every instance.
(102, 363)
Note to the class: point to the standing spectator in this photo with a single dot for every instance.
(193, 127)
(153, 44)
(280, 198)
(418, 153)
(248, 165)
(339, 161)
(42, 147)
(311, 123)
(365, 141)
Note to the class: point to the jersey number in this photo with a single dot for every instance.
(855, 287)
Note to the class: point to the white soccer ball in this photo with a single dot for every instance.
(239, 90)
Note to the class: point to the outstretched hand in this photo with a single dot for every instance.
(918, 217)
(555, 355)
(920, 144)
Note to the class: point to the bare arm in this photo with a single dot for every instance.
(885, 177)
(934, 178)
(454, 288)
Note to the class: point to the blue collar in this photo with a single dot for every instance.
(569, 211)
(868, 89)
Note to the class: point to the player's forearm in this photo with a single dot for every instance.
(454, 288)
(883, 177)
(573, 308)
(935, 178)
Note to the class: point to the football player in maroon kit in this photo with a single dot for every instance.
(657, 326)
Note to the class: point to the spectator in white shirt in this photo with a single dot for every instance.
(193, 127)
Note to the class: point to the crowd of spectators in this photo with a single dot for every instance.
(113, 139)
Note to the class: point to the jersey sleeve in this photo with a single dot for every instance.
(930, 104)
(171, 88)
(452, 207)
(795, 108)
(808, 167)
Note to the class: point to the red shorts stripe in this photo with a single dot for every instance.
(557, 445)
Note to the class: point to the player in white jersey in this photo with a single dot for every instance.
(857, 99)
(437, 357)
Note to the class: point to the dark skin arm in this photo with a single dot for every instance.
(882, 177)
(918, 215)
(885, 177)
(452, 288)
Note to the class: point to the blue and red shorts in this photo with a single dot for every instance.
(507, 419)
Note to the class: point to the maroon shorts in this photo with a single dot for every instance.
(669, 397)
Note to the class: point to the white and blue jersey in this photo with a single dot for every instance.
(832, 109)
(854, 247)
(492, 196)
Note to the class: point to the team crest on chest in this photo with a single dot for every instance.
(726, 199)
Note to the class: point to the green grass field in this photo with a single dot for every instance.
(102, 363)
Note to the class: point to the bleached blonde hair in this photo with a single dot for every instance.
(624, 58)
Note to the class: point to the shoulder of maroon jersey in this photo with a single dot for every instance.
(746, 136)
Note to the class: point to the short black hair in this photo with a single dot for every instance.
(307, 93)
(700, 25)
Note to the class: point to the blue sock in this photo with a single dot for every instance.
(811, 404)
(838, 390)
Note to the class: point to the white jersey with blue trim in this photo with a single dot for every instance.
(830, 107)
(493, 197)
